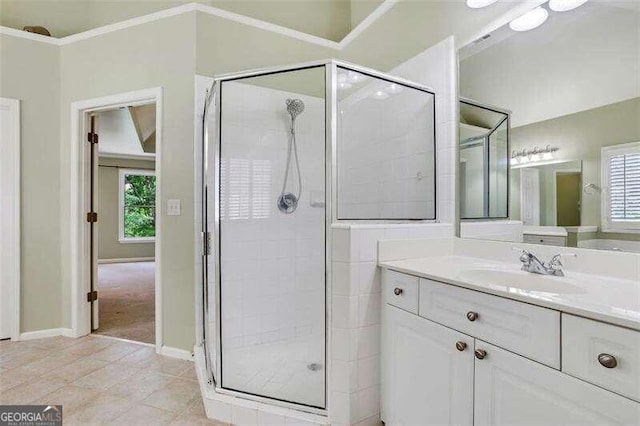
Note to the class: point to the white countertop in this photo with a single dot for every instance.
(551, 231)
(611, 300)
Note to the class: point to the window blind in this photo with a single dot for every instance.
(624, 187)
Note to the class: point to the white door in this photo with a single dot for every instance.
(512, 390)
(426, 379)
(9, 217)
(530, 196)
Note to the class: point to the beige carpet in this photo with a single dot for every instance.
(126, 300)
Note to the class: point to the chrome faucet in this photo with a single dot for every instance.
(530, 263)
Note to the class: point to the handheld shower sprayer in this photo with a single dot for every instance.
(288, 201)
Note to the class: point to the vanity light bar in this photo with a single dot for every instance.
(533, 155)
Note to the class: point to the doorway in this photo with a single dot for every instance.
(530, 196)
(115, 245)
(124, 195)
(568, 191)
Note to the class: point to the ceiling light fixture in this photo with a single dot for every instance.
(477, 4)
(565, 5)
(533, 155)
(530, 20)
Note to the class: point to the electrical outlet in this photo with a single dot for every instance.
(173, 207)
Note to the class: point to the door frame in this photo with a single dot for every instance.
(12, 159)
(79, 202)
(554, 191)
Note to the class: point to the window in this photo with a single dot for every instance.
(137, 206)
(621, 188)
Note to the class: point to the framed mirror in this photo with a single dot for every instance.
(571, 90)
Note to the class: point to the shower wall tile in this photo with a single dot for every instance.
(385, 154)
(437, 68)
(356, 336)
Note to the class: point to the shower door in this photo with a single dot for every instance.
(271, 235)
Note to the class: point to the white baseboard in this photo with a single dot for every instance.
(52, 332)
(127, 260)
(176, 353)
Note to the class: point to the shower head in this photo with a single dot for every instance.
(295, 107)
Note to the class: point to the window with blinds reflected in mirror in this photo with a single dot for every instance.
(621, 184)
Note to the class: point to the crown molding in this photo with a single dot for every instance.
(156, 16)
(224, 14)
(377, 13)
(267, 26)
(29, 36)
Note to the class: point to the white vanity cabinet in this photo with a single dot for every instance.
(427, 372)
(513, 390)
(439, 370)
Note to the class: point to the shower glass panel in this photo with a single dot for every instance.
(272, 235)
(498, 171)
(484, 162)
(386, 145)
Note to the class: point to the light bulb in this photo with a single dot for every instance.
(524, 160)
(380, 94)
(355, 77)
(535, 157)
(530, 20)
(477, 4)
(565, 5)
(393, 88)
(343, 85)
(547, 156)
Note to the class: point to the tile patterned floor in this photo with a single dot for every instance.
(100, 380)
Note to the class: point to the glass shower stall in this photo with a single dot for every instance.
(287, 152)
(484, 161)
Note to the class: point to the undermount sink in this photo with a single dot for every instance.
(520, 280)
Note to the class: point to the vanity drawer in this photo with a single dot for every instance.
(401, 290)
(548, 240)
(587, 348)
(528, 330)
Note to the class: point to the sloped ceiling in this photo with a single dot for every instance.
(120, 131)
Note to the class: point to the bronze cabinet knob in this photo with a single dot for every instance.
(472, 316)
(607, 361)
(397, 291)
(480, 353)
(461, 346)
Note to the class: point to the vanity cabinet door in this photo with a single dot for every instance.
(512, 390)
(427, 372)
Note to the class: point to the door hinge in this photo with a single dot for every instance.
(92, 138)
(206, 243)
(92, 296)
(92, 217)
